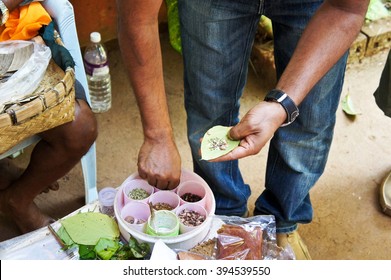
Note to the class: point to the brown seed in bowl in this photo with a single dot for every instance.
(162, 206)
(191, 197)
(191, 218)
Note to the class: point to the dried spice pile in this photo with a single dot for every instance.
(191, 197)
(217, 143)
(138, 194)
(191, 218)
(162, 206)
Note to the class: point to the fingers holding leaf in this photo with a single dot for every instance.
(216, 143)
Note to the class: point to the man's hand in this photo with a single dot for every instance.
(255, 129)
(160, 164)
(138, 35)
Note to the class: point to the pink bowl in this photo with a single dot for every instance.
(139, 212)
(129, 185)
(168, 197)
(192, 189)
(189, 207)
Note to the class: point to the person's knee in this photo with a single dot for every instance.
(82, 132)
(87, 136)
(86, 128)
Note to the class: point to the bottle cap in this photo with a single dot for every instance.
(95, 37)
(107, 196)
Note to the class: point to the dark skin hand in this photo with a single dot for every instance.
(159, 161)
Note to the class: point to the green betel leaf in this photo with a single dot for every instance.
(87, 228)
(87, 252)
(65, 236)
(106, 248)
(348, 106)
(216, 143)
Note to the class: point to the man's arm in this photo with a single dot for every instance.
(138, 34)
(327, 37)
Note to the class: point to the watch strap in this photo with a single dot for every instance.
(286, 102)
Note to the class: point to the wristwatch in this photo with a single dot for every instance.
(276, 95)
(4, 13)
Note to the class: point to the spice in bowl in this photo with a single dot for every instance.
(162, 206)
(132, 220)
(138, 194)
(190, 197)
(191, 218)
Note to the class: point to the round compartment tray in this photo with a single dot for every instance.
(183, 241)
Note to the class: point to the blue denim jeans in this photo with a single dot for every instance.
(217, 38)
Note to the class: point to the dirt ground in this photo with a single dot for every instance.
(348, 223)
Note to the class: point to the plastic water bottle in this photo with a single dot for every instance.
(96, 65)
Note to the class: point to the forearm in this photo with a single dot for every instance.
(327, 37)
(139, 41)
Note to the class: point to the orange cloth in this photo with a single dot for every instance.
(24, 22)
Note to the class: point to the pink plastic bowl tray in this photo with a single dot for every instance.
(183, 241)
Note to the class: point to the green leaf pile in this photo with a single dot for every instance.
(97, 237)
(87, 228)
(219, 133)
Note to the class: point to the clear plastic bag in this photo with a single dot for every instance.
(237, 238)
(30, 61)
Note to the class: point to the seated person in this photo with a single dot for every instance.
(58, 151)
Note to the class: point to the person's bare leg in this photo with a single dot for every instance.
(9, 172)
(52, 187)
(54, 156)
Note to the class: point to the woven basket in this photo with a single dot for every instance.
(51, 104)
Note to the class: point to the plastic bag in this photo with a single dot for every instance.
(30, 61)
(237, 238)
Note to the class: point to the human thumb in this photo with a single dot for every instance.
(234, 133)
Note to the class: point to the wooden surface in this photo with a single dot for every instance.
(379, 35)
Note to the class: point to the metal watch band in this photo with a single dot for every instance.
(4, 13)
(286, 102)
